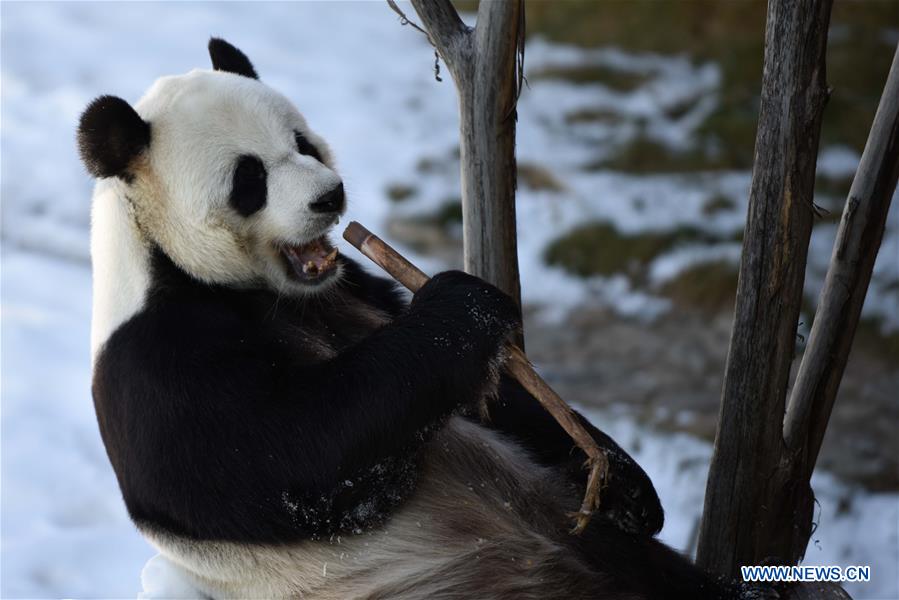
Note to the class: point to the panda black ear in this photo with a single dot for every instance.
(110, 136)
(226, 57)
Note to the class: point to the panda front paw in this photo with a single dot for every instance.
(479, 314)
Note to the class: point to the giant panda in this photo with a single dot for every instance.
(283, 423)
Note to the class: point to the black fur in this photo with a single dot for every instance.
(376, 291)
(222, 420)
(306, 147)
(110, 136)
(226, 57)
(249, 185)
(225, 420)
(332, 201)
(629, 500)
(648, 568)
(238, 415)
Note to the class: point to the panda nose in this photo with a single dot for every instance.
(329, 202)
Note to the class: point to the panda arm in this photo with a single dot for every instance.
(630, 500)
(378, 397)
(224, 428)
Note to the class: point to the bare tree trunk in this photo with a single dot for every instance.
(840, 305)
(484, 63)
(744, 521)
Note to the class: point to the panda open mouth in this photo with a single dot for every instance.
(311, 262)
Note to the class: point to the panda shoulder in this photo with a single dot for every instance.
(173, 330)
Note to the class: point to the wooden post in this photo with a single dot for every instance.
(485, 65)
(754, 512)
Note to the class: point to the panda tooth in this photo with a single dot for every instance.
(331, 255)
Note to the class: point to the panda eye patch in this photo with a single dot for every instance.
(305, 148)
(249, 186)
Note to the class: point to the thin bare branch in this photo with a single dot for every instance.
(854, 252)
(446, 31)
(404, 20)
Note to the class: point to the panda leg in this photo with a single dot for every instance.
(629, 500)
(650, 569)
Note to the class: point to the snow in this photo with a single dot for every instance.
(837, 162)
(64, 526)
(854, 527)
(161, 580)
(366, 84)
(671, 264)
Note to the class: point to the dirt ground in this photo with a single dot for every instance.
(669, 374)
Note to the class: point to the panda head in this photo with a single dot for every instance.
(223, 174)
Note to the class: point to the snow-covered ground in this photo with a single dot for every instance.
(366, 84)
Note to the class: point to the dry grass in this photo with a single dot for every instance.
(710, 287)
(538, 178)
(601, 249)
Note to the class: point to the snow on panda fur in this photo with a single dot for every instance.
(283, 423)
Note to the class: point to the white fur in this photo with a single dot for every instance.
(474, 481)
(201, 122)
(120, 260)
(470, 528)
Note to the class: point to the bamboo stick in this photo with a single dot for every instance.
(517, 365)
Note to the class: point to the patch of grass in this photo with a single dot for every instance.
(447, 215)
(717, 204)
(468, 6)
(400, 192)
(594, 115)
(681, 108)
(709, 286)
(830, 198)
(430, 165)
(427, 164)
(431, 233)
(838, 187)
(733, 34)
(537, 177)
(858, 60)
(645, 25)
(644, 155)
(617, 79)
(601, 249)
(728, 133)
(870, 337)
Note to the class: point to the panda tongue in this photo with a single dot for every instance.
(312, 259)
